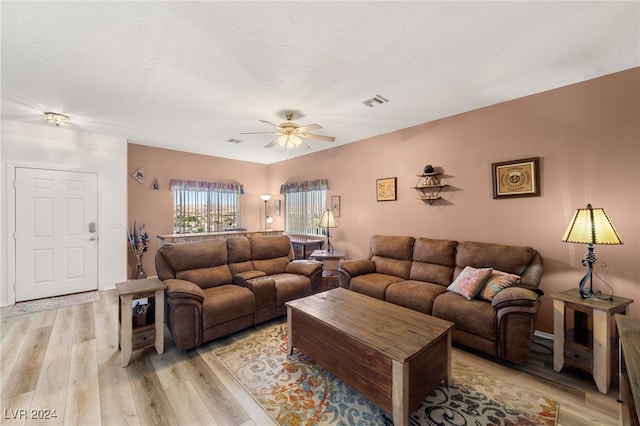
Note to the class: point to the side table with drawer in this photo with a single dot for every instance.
(133, 336)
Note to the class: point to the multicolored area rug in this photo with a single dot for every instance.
(53, 303)
(297, 391)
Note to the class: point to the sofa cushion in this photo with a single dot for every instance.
(207, 277)
(291, 287)
(374, 285)
(392, 255)
(433, 260)
(510, 259)
(473, 316)
(469, 282)
(225, 303)
(197, 255)
(271, 247)
(497, 282)
(239, 255)
(416, 295)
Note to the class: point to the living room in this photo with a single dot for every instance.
(585, 134)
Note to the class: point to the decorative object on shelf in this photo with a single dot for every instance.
(138, 175)
(428, 185)
(57, 118)
(139, 242)
(335, 205)
(155, 185)
(517, 178)
(267, 219)
(386, 189)
(590, 226)
(328, 221)
(277, 207)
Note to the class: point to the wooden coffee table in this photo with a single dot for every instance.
(392, 355)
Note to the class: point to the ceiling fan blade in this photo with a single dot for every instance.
(272, 143)
(269, 123)
(319, 137)
(313, 126)
(259, 133)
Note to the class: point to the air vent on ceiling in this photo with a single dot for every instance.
(376, 100)
(232, 140)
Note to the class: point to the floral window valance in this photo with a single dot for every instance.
(195, 185)
(309, 185)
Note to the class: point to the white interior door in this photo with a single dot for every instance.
(56, 234)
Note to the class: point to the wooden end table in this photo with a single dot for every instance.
(592, 344)
(132, 337)
(329, 260)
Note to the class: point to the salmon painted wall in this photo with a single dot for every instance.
(587, 136)
(154, 208)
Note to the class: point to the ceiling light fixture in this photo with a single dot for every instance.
(57, 118)
(289, 141)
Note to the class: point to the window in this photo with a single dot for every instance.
(304, 204)
(205, 206)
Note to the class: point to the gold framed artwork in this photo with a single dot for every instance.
(276, 208)
(517, 178)
(386, 189)
(335, 205)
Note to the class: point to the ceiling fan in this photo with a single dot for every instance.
(290, 134)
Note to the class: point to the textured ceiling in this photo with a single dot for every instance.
(190, 75)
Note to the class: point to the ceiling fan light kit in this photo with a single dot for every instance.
(57, 118)
(290, 134)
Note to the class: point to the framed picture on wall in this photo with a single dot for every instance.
(335, 205)
(386, 189)
(276, 208)
(517, 178)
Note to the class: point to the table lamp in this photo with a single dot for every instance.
(590, 226)
(328, 221)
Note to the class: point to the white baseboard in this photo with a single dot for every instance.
(543, 335)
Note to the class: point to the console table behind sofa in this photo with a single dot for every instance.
(189, 238)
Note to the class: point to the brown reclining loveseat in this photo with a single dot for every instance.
(217, 287)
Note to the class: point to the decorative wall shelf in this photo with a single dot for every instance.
(428, 187)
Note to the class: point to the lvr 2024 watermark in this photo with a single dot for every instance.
(23, 414)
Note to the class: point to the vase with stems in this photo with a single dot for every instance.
(138, 241)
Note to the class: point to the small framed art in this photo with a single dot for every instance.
(276, 208)
(386, 189)
(335, 205)
(517, 178)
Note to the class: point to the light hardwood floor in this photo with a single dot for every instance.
(67, 361)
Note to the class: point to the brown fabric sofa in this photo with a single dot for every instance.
(415, 273)
(217, 287)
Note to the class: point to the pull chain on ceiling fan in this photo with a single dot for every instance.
(290, 134)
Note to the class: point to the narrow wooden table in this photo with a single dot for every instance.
(590, 348)
(130, 337)
(392, 355)
(330, 263)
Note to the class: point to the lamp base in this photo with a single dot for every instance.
(588, 260)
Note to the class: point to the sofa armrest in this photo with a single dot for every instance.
(515, 296)
(304, 267)
(264, 290)
(242, 278)
(353, 268)
(181, 289)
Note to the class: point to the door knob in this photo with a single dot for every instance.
(92, 238)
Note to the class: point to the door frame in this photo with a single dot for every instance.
(11, 220)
